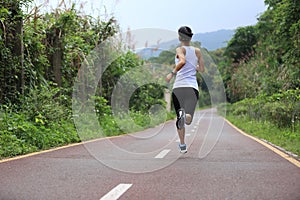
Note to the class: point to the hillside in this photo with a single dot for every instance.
(210, 40)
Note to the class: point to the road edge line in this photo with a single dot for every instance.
(275, 150)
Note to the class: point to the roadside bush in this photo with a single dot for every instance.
(278, 113)
(42, 105)
(10, 145)
(241, 108)
(282, 109)
(39, 123)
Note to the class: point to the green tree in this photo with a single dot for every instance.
(11, 53)
(241, 46)
(264, 58)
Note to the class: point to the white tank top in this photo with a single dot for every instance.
(186, 76)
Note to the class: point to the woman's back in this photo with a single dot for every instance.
(186, 76)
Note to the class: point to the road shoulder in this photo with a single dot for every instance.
(273, 148)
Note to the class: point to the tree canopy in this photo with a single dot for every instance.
(264, 58)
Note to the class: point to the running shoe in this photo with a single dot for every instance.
(182, 148)
(181, 119)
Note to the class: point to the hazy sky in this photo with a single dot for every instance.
(201, 15)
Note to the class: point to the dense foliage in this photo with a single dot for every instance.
(282, 109)
(41, 54)
(264, 58)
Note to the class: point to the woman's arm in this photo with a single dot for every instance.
(200, 66)
(180, 54)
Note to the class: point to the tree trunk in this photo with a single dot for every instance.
(18, 51)
(57, 58)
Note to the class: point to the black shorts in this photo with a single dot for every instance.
(185, 98)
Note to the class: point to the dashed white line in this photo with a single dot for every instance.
(116, 192)
(163, 153)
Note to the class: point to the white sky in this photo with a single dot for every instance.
(201, 15)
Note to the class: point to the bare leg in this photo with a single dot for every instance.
(181, 134)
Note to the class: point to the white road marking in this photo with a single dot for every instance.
(163, 153)
(116, 192)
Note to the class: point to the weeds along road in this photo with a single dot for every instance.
(221, 163)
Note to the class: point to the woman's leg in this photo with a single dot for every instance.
(177, 97)
(190, 104)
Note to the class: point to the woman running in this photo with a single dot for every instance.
(185, 94)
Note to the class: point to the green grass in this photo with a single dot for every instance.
(287, 138)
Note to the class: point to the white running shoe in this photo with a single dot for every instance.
(180, 123)
(182, 148)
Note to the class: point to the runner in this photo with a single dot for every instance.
(185, 94)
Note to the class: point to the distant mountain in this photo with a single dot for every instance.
(210, 40)
(214, 40)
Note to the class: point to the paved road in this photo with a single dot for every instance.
(221, 163)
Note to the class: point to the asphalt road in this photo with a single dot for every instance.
(221, 163)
